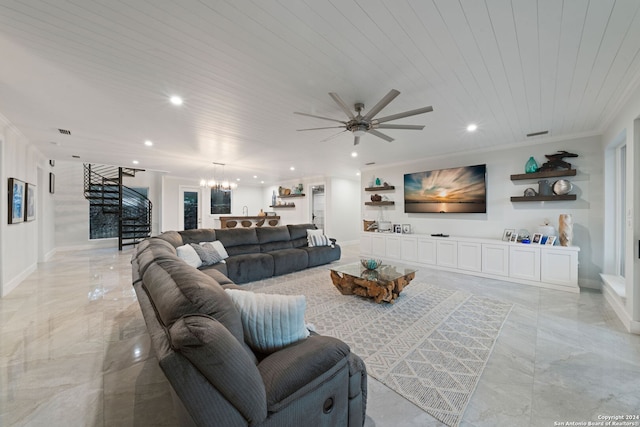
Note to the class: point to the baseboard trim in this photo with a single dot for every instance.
(13, 283)
(50, 254)
(615, 302)
(102, 244)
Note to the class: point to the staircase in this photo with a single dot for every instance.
(103, 187)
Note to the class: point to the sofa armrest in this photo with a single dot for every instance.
(290, 369)
(220, 357)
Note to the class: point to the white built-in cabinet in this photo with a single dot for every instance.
(553, 267)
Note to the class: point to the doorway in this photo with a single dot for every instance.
(189, 215)
(317, 206)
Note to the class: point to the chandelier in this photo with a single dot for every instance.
(222, 184)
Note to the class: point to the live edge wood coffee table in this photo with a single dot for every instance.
(382, 284)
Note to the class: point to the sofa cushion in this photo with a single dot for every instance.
(249, 267)
(322, 254)
(176, 289)
(151, 249)
(273, 234)
(221, 359)
(218, 272)
(317, 238)
(198, 235)
(298, 234)
(207, 253)
(270, 322)
(172, 237)
(188, 254)
(289, 260)
(237, 237)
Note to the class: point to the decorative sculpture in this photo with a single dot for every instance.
(565, 227)
(556, 162)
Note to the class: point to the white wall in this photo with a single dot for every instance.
(21, 243)
(342, 219)
(501, 213)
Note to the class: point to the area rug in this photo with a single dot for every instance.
(431, 346)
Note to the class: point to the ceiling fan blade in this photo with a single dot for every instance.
(381, 104)
(342, 105)
(356, 140)
(333, 136)
(413, 127)
(405, 114)
(380, 135)
(320, 117)
(330, 127)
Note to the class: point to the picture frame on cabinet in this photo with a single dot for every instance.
(536, 239)
(550, 240)
(406, 228)
(506, 236)
(514, 237)
(397, 228)
(543, 239)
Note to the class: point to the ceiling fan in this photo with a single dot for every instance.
(359, 124)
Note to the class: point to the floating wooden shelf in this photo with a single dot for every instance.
(282, 206)
(543, 198)
(292, 195)
(379, 203)
(545, 174)
(381, 188)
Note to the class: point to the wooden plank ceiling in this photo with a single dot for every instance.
(104, 71)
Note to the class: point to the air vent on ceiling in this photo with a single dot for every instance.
(64, 131)
(543, 132)
(75, 157)
(370, 163)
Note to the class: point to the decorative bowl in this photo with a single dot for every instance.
(562, 186)
(370, 263)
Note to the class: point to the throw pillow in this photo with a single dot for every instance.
(217, 244)
(270, 322)
(317, 238)
(189, 255)
(207, 253)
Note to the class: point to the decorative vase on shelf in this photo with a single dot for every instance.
(531, 166)
(377, 182)
(565, 229)
(273, 198)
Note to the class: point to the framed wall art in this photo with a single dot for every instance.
(16, 201)
(30, 202)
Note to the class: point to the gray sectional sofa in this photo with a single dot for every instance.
(261, 252)
(200, 342)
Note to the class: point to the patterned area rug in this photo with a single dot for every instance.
(431, 346)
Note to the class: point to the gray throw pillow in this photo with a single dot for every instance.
(207, 253)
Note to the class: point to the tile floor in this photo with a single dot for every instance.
(74, 352)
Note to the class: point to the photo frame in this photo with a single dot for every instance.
(506, 235)
(550, 240)
(397, 228)
(16, 201)
(536, 239)
(514, 237)
(30, 202)
(543, 239)
(52, 183)
(406, 228)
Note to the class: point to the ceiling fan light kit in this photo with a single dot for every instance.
(359, 124)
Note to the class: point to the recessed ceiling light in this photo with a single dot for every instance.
(354, 154)
(292, 168)
(472, 127)
(357, 173)
(176, 100)
(261, 182)
(237, 179)
(135, 162)
(255, 176)
(148, 143)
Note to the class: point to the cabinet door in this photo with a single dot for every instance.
(365, 244)
(469, 256)
(559, 267)
(427, 251)
(524, 262)
(409, 249)
(393, 246)
(447, 253)
(378, 246)
(495, 259)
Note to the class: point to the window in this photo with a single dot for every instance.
(220, 201)
(103, 213)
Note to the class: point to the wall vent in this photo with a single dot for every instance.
(64, 131)
(370, 163)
